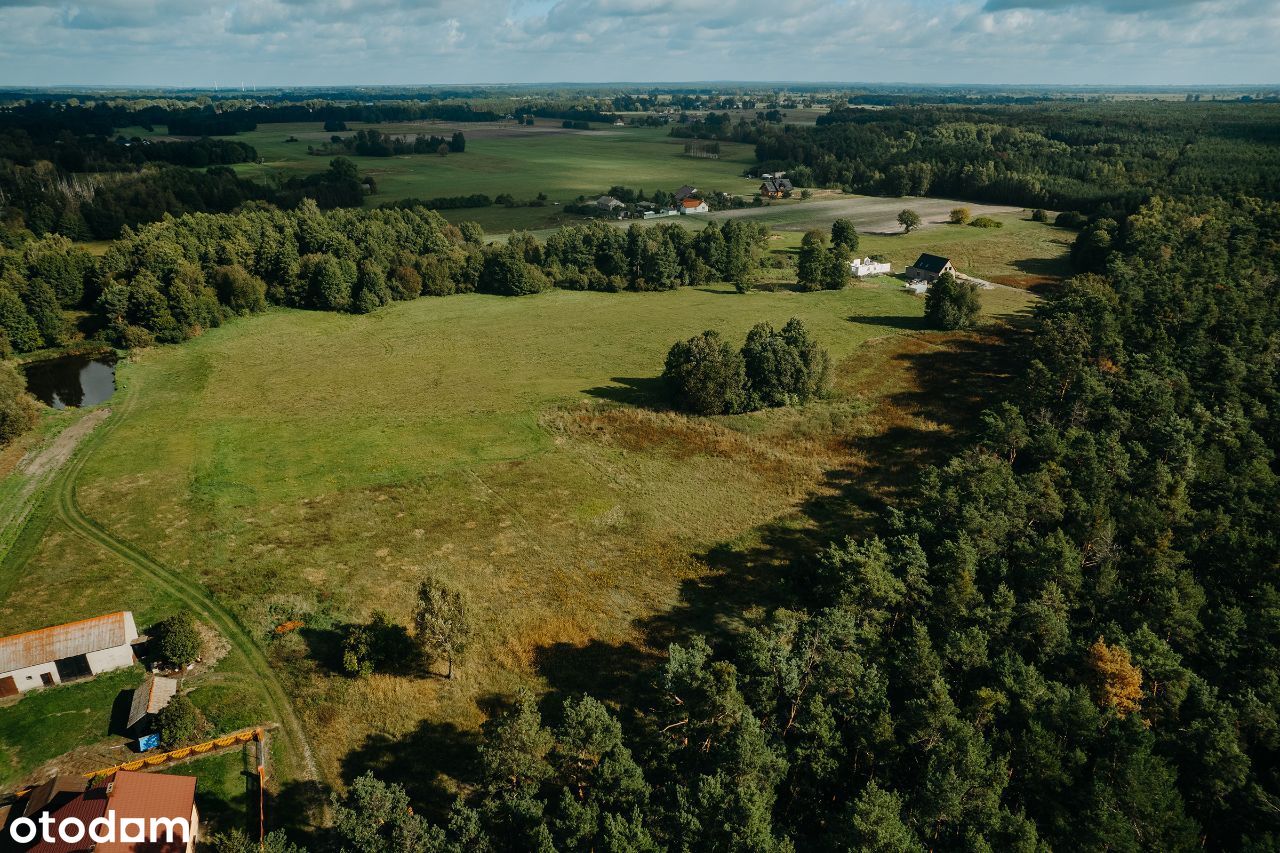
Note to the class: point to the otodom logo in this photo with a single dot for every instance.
(106, 829)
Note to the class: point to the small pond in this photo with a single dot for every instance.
(72, 380)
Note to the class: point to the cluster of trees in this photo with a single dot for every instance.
(823, 267)
(38, 279)
(595, 256)
(951, 304)
(1068, 637)
(168, 281)
(18, 409)
(1104, 158)
(374, 143)
(442, 632)
(705, 376)
(90, 153)
(44, 199)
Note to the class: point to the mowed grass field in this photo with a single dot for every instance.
(521, 161)
(312, 467)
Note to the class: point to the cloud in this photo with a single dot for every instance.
(1115, 7)
(177, 42)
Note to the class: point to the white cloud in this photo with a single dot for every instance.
(440, 41)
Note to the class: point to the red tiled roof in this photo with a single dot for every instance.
(148, 795)
(89, 805)
(691, 202)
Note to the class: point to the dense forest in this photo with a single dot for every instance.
(169, 280)
(1096, 158)
(1067, 638)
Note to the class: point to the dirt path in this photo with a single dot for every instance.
(192, 594)
(870, 214)
(37, 469)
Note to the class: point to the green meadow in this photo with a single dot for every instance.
(310, 468)
(523, 162)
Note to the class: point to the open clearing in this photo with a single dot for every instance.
(315, 467)
(523, 162)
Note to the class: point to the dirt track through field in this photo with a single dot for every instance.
(202, 605)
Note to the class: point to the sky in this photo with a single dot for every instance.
(428, 42)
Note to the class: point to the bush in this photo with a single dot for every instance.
(379, 646)
(703, 375)
(18, 409)
(179, 723)
(176, 640)
(951, 304)
(986, 222)
(1039, 215)
(960, 215)
(1070, 219)
(238, 290)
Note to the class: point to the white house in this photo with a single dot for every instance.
(693, 205)
(53, 655)
(863, 267)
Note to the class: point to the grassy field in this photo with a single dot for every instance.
(564, 164)
(1021, 254)
(45, 724)
(315, 467)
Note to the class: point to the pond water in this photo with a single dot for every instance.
(72, 380)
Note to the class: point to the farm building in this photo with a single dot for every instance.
(153, 694)
(128, 796)
(81, 649)
(685, 191)
(928, 267)
(693, 205)
(863, 267)
(776, 188)
(609, 203)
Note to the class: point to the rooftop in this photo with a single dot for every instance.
(153, 694)
(45, 645)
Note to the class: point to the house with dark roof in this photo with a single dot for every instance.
(684, 192)
(49, 656)
(928, 267)
(776, 188)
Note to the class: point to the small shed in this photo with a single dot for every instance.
(152, 695)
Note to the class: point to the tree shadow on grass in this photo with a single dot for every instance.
(422, 761)
(119, 720)
(914, 324)
(923, 424)
(299, 806)
(642, 391)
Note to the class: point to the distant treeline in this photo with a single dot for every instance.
(1100, 158)
(453, 202)
(373, 143)
(44, 199)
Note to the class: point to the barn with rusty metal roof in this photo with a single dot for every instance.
(82, 649)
